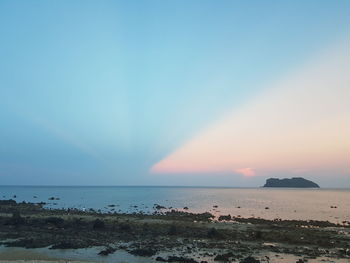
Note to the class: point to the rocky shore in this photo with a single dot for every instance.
(172, 236)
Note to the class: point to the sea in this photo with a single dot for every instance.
(270, 203)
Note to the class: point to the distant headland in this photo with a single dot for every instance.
(295, 182)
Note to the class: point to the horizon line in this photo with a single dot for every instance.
(173, 186)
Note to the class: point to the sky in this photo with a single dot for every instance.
(208, 93)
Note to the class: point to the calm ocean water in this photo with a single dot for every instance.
(282, 203)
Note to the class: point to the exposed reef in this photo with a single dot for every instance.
(173, 236)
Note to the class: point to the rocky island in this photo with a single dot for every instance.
(295, 182)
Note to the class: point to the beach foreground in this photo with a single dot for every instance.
(30, 232)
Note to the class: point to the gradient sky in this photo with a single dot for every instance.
(174, 92)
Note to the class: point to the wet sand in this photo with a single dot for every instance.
(30, 232)
(12, 254)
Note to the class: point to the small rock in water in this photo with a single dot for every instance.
(107, 251)
(267, 207)
(158, 207)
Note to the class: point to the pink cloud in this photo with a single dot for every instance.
(246, 171)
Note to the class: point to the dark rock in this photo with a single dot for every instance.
(125, 227)
(8, 202)
(224, 257)
(172, 230)
(226, 218)
(250, 260)
(79, 223)
(57, 221)
(202, 217)
(295, 182)
(26, 243)
(160, 259)
(16, 219)
(158, 207)
(107, 251)
(344, 251)
(66, 245)
(258, 234)
(185, 208)
(98, 224)
(181, 259)
(62, 245)
(213, 233)
(300, 261)
(143, 252)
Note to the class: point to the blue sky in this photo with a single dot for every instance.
(97, 92)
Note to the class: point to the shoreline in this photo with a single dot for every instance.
(172, 236)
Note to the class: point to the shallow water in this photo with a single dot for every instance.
(43, 255)
(288, 203)
(83, 254)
